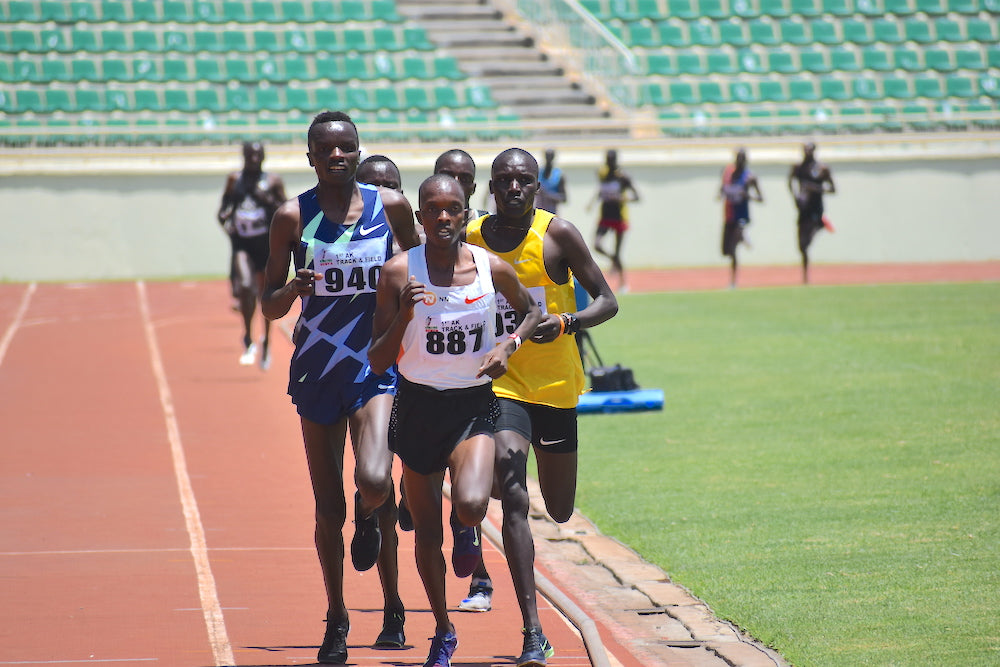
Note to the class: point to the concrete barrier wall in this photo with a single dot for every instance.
(67, 226)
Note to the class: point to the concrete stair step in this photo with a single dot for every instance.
(547, 96)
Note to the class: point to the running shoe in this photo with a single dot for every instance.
(480, 596)
(367, 540)
(249, 355)
(466, 550)
(535, 650)
(405, 518)
(334, 648)
(392, 635)
(442, 648)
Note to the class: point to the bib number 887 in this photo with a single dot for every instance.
(454, 342)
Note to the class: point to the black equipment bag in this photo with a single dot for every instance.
(612, 378)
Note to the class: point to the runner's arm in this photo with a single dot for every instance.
(505, 279)
(395, 297)
(279, 292)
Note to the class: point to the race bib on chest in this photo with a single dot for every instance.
(507, 317)
(349, 269)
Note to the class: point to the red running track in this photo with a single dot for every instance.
(156, 506)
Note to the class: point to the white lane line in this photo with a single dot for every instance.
(8, 335)
(222, 650)
(90, 661)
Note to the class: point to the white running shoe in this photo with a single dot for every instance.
(480, 596)
(249, 355)
(265, 357)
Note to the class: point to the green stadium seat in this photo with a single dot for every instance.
(324, 11)
(721, 62)
(360, 99)
(296, 69)
(84, 40)
(887, 31)
(416, 68)
(177, 69)
(682, 93)
(146, 10)
(710, 92)
(206, 11)
(897, 87)
(742, 92)
(928, 87)
(703, 33)
(446, 67)
(209, 69)
(764, 32)
(824, 31)
(772, 91)
(235, 40)
(235, 12)
(357, 40)
(384, 67)
(971, 58)
(51, 70)
(713, 9)
(939, 60)
(269, 99)
(144, 69)
(832, 88)
(238, 69)
(888, 117)
(691, 62)
(385, 10)
(388, 98)
(744, 8)
(446, 97)
(85, 69)
(734, 33)
(413, 38)
(83, 12)
(981, 30)
(790, 121)
(853, 118)
(178, 41)
(297, 41)
(840, 8)
(28, 100)
(298, 99)
(963, 87)
(267, 68)
(147, 99)
(782, 62)
(775, 8)
(57, 99)
(876, 58)
(682, 9)
(908, 59)
(23, 11)
(866, 88)
(89, 99)
(751, 62)
(844, 60)
(806, 8)
(53, 11)
(208, 41)
(115, 69)
(990, 85)
(641, 34)
(176, 11)
(932, 7)
(815, 61)
(993, 55)
(146, 40)
(328, 67)
(900, 7)
(673, 33)
(761, 120)
(357, 68)
(24, 41)
(293, 10)
(653, 94)
(794, 32)
(857, 31)
(661, 64)
(803, 90)
(54, 40)
(266, 40)
(114, 41)
(264, 11)
(918, 30)
(963, 6)
(205, 99)
(949, 30)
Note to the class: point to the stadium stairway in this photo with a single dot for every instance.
(500, 56)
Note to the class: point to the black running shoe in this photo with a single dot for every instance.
(535, 650)
(405, 518)
(392, 635)
(334, 648)
(442, 648)
(367, 538)
(466, 549)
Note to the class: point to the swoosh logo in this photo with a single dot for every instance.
(385, 387)
(545, 443)
(522, 261)
(468, 300)
(365, 231)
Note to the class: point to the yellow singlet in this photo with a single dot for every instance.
(548, 373)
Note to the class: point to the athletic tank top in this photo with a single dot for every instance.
(250, 218)
(334, 331)
(550, 373)
(452, 328)
(737, 198)
(545, 198)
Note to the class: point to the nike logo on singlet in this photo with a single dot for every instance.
(468, 300)
(365, 231)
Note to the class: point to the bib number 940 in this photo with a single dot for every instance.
(357, 280)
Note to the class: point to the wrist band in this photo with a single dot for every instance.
(570, 323)
(517, 341)
(562, 325)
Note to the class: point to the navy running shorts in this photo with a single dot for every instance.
(329, 402)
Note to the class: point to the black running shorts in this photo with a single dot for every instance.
(547, 428)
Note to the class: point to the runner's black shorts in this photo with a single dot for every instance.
(257, 249)
(547, 428)
(427, 424)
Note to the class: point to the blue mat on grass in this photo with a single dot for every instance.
(621, 401)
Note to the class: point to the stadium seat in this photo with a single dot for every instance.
(324, 11)
(866, 88)
(269, 99)
(815, 61)
(763, 31)
(887, 31)
(84, 69)
(28, 100)
(918, 30)
(52, 70)
(832, 88)
(662, 64)
(713, 9)
(641, 34)
(681, 93)
(949, 30)
(853, 117)
(86, 12)
(807, 8)
(897, 87)
(144, 69)
(824, 31)
(721, 62)
(388, 98)
(116, 69)
(206, 11)
(900, 7)
(57, 99)
(917, 117)
(791, 121)
(782, 61)
(298, 99)
(360, 99)
(175, 11)
(876, 58)
(239, 99)
(733, 33)
(772, 91)
(710, 92)
(114, 41)
(746, 9)
(235, 12)
(932, 7)
(743, 92)
(703, 33)
(928, 87)
(993, 55)
(691, 62)
(981, 30)
(146, 10)
(147, 99)
(963, 6)
(264, 11)
(775, 8)
(413, 38)
(844, 60)
(209, 69)
(990, 85)
(682, 9)
(238, 69)
(857, 31)
(803, 90)
(205, 99)
(357, 68)
(266, 40)
(751, 62)
(293, 10)
(673, 33)
(840, 8)
(84, 40)
(446, 67)
(53, 11)
(23, 11)
(971, 58)
(296, 69)
(268, 68)
(653, 94)
(297, 41)
(962, 87)
(177, 69)
(908, 59)
(939, 60)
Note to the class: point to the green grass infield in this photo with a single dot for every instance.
(826, 469)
